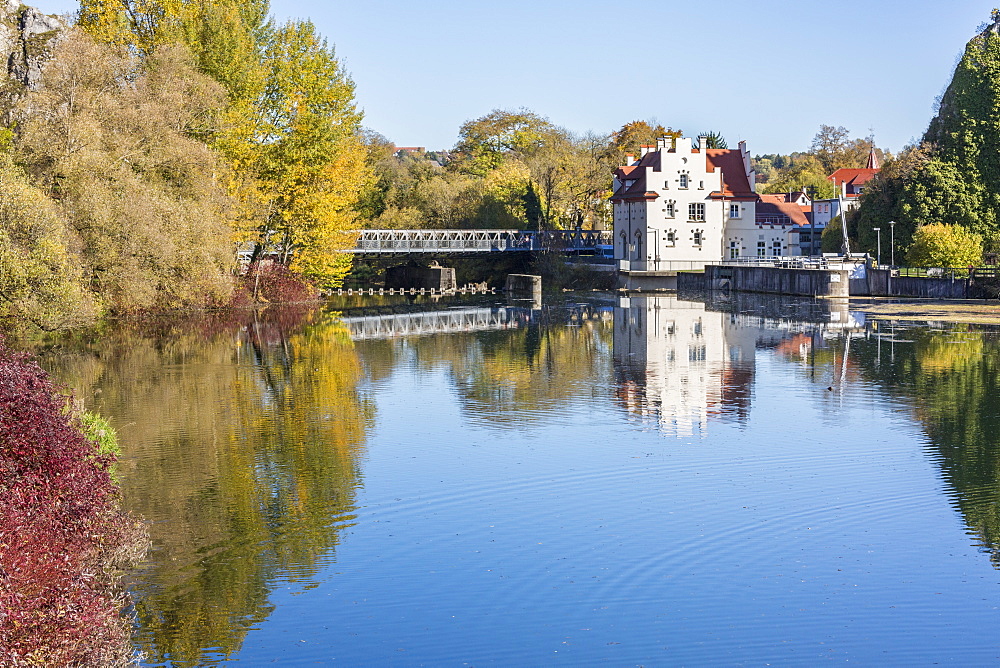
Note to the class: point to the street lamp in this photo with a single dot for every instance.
(878, 234)
(892, 242)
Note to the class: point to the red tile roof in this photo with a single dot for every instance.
(775, 205)
(855, 177)
(734, 178)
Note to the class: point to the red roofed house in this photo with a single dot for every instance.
(784, 227)
(676, 206)
(851, 183)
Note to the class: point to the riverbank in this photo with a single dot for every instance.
(64, 540)
(978, 311)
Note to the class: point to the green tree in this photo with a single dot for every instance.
(835, 149)
(938, 245)
(484, 143)
(965, 134)
(802, 172)
(714, 140)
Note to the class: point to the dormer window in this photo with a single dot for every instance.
(683, 181)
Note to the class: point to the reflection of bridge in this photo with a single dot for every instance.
(475, 242)
(436, 322)
(475, 319)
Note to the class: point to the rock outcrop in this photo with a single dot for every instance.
(26, 37)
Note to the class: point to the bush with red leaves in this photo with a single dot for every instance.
(63, 538)
(274, 283)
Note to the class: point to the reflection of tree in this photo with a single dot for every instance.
(516, 376)
(241, 444)
(953, 381)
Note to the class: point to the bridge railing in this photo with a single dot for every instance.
(475, 241)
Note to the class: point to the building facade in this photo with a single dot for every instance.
(674, 206)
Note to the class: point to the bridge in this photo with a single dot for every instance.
(377, 243)
(457, 243)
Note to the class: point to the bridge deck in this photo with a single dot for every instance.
(376, 243)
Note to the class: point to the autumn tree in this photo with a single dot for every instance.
(113, 139)
(290, 130)
(938, 245)
(41, 278)
(306, 153)
(631, 137)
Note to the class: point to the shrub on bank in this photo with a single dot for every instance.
(63, 538)
(274, 283)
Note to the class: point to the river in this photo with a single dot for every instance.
(641, 480)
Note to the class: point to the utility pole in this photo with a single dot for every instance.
(892, 243)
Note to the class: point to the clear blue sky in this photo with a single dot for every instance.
(766, 72)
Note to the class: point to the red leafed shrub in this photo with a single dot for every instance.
(63, 538)
(274, 282)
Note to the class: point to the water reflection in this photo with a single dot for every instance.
(948, 378)
(243, 436)
(511, 366)
(681, 363)
(246, 436)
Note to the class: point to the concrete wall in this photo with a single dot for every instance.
(880, 284)
(648, 281)
(430, 278)
(806, 282)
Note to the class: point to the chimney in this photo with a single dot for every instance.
(629, 159)
(703, 142)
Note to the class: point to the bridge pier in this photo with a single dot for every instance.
(441, 279)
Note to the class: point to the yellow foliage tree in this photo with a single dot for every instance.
(941, 245)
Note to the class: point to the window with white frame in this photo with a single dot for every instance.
(734, 250)
(734, 210)
(776, 248)
(761, 249)
(671, 237)
(683, 181)
(696, 211)
(698, 234)
(670, 209)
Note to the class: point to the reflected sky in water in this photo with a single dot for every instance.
(640, 480)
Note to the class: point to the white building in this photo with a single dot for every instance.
(679, 207)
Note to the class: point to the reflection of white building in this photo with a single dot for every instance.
(679, 364)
